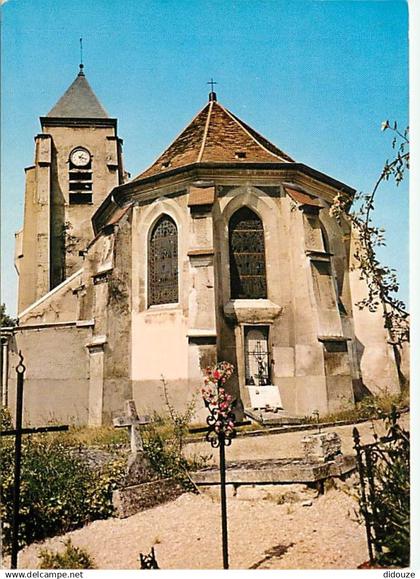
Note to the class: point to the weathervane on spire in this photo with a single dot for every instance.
(81, 56)
(212, 95)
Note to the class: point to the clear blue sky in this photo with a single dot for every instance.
(315, 77)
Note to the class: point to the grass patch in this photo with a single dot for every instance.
(369, 407)
(71, 558)
(95, 436)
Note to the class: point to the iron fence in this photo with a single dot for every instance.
(384, 471)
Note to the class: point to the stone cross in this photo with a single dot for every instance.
(139, 469)
(132, 421)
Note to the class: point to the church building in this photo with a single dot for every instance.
(223, 249)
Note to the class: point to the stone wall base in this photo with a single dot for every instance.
(131, 500)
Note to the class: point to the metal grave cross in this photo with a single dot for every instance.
(132, 421)
(17, 433)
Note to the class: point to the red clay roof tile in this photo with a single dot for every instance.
(215, 135)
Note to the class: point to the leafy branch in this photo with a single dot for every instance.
(180, 419)
(381, 280)
(5, 319)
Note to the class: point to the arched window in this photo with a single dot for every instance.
(247, 256)
(163, 262)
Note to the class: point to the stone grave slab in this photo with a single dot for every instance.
(272, 417)
(133, 499)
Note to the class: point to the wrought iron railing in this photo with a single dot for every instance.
(384, 471)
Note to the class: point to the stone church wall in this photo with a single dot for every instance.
(57, 374)
(58, 305)
(375, 353)
(298, 310)
(175, 341)
(99, 343)
(117, 362)
(32, 260)
(105, 297)
(159, 333)
(71, 224)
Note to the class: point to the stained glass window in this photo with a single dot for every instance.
(247, 256)
(163, 262)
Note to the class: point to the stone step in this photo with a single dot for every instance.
(280, 471)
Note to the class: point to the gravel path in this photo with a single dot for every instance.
(262, 535)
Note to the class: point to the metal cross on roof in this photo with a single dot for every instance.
(212, 83)
(81, 65)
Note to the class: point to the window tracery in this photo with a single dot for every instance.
(163, 262)
(247, 256)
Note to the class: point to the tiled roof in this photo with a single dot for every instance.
(79, 101)
(301, 196)
(215, 135)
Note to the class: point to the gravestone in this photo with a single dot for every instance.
(141, 488)
(139, 468)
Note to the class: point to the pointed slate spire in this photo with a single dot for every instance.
(79, 101)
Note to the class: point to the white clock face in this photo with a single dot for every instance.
(80, 157)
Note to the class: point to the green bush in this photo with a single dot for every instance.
(163, 448)
(394, 511)
(58, 491)
(71, 558)
(165, 438)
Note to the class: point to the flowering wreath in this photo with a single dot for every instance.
(221, 420)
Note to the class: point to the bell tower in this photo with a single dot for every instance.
(78, 161)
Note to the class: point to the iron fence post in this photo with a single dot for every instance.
(20, 370)
(17, 432)
(373, 502)
(359, 458)
(220, 432)
(223, 500)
